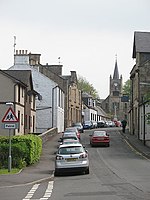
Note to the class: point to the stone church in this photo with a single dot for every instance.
(116, 104)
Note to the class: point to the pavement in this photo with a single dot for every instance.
(44, 169)
(136, 144)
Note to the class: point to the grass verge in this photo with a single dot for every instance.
(5, 171)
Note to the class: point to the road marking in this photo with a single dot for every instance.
(29, 183)
(31, 192)
(48, 191)
(47, 194)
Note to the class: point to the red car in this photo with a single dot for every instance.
(99, 138)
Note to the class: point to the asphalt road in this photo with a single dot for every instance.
(117, 172)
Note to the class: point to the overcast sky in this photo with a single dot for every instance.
(85, 34)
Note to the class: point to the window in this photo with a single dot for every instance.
(22, 92)
(115, 93)
(30, 99)
(19, 121)
(25, 123)
(33, 124)
(18, 93)
(33, 102)
(29, 122)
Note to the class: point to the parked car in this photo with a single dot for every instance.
(99, 138)
(79, 126)
(94, 124)
(71, 158)
(87, 125)
(101, 124)
(68, 135)
(70, 141)
(118, 123)
(110, 124)
(73, 129)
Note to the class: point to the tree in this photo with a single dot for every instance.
(85, 86)
(126, 88)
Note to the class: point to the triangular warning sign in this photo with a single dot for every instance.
(10, 116)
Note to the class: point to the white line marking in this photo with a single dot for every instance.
(31, 192)
(48, 191)
(47, 194)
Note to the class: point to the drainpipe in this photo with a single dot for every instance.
(144, 142)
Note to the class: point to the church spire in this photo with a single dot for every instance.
(116, 72)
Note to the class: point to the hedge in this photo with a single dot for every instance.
(25, 150)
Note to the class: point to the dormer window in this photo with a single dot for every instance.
(90, 102)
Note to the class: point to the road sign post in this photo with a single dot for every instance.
(9, 156)
(10, 121)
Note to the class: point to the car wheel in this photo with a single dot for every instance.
(56, 173)
(87, 171)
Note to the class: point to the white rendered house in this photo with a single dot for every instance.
(50, 108)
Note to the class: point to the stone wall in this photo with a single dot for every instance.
(47, 134)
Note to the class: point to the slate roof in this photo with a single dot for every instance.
(86, 95)
(101, 112)
(116, 71)
(141, 43)
(11, 76)
(22, 75)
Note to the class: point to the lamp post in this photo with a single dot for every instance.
(9, 155)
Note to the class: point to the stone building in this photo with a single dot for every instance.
(16, 86)
(140, 87)
(68, 83)
(114, 105)
(58, 87)
(50, 108)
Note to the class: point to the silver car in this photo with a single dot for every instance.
(71, 158)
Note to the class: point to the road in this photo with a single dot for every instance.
(117, 172)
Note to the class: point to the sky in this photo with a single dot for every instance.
(86, 35)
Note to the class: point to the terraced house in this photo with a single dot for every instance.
(140, 87)
(61, 104)
(17, 87)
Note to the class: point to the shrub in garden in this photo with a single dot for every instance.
(25, 150)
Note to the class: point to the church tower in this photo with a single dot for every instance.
(115, 88)
(115, 93)
(113, 104)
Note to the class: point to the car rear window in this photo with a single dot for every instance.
(99, 133)
(71, 150)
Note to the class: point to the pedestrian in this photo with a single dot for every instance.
(124, 124)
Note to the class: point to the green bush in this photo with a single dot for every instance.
(25, 150)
